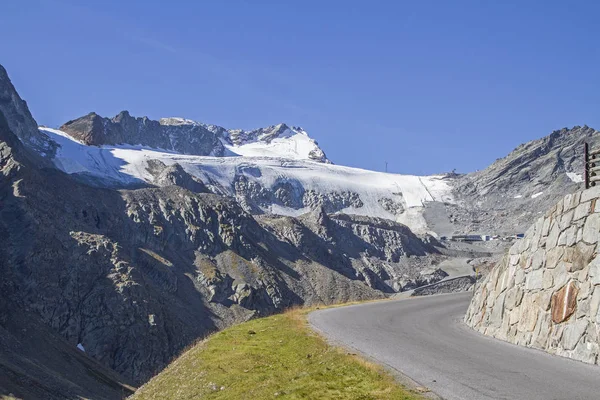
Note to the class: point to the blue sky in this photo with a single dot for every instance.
(426, 85)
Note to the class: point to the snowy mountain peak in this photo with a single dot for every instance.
(177, 121)
(187, 136)
(240, 137)
(276, 141)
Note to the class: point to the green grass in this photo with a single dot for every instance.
(274, 357)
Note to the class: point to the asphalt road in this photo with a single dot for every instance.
(426, 340)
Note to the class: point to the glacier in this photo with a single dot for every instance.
(255, 167)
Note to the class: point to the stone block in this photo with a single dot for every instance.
(564, 302)
(524, 243)
(561, 274)
(585, 290)
(559, 208)
(594, 271)
(524, 261)
(573, 333)
(566, 219)
(595, 302)
(591, 193)
(567, 202)
(514, 259)
(515, 248)
(554, 256)
(586, 350)
(562, 239)
(546, 226)
(538, 259)
(542, 332)
(513, 298)
(514, 316)
(553, 236)
(534, 280)
(579, 257)
(577, 197)
(591, 229)
(583, 309)
(582, 211)
(537, 234)
(570, 235)
(545, 300)
(529, 313)
(548, 279)
(555, 337)
(497, 312)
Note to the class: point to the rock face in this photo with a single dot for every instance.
(186, 138)
(19, 119)
(175, 175)
(545, 293)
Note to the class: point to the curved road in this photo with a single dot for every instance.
(425, 339)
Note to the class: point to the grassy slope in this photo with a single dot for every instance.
(274, 357)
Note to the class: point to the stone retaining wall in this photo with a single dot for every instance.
(545, 292)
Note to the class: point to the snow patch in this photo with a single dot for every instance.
(177, 121)
(518, 196)
(538, 194)
(577, 178)
(294, 145)
(80, 347)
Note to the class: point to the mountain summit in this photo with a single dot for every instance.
(186, 136)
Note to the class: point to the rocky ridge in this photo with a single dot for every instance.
(18, 117)
(186, 138)
(545, 292)
(506, 197)
(178, 134)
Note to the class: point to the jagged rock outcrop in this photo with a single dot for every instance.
(545, 292)
(288, 193)
(18, 117)
(192, 138)
(174, 174)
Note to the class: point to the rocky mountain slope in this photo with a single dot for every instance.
(38, 363)
(134, 276)
(545, 293)
(510, 194)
